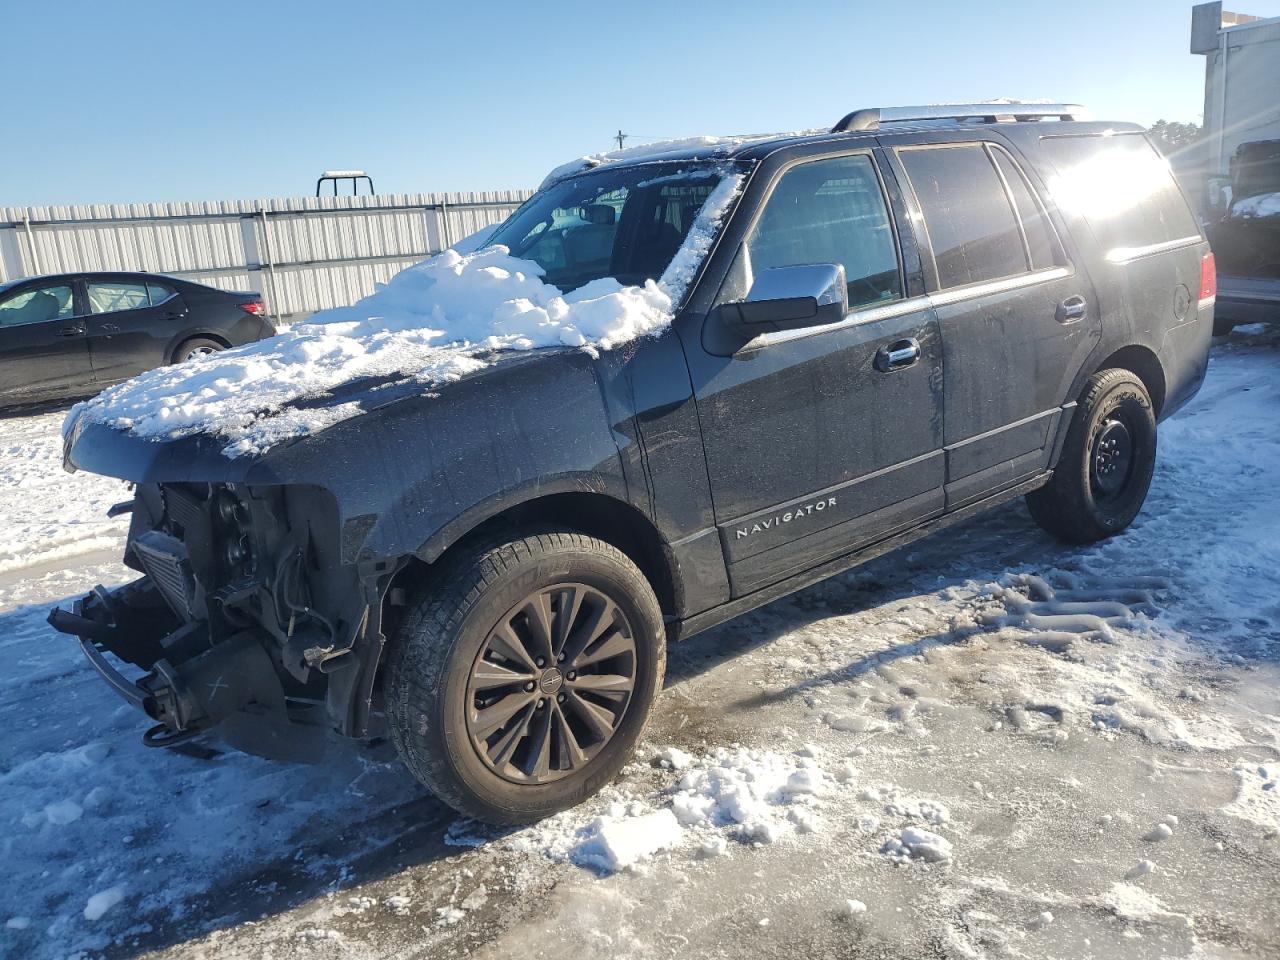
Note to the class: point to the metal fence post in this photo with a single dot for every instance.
(276, 302)
(31, 245)
(445, 238)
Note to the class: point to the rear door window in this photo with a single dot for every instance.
(111, 296)
(37, 305)
(1123, 188)
(831, 211)
(972, 226)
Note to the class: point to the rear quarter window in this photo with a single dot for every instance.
(1122, 188)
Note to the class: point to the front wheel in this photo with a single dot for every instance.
(524, 675)
(1103, 475)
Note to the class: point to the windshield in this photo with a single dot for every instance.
(626, 223)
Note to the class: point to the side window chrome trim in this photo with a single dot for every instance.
(898, 308)
(1127, 254)
(991, 287)
(894, 308)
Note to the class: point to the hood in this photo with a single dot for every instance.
(332, 428)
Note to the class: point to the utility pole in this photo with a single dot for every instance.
(620, 136)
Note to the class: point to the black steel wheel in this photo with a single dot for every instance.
(552, 682)
(524, 674)
(1102, 476)
(1112, 460)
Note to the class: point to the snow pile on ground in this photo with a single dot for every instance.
(1258, 795)
(759, 794)
(916, 843)
(48, 514)
(1262, 205)
(434, 322)
(730, 796)
(611, 843)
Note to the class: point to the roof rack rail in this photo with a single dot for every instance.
(871, 118)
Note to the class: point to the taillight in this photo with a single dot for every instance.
(256, 307)
(1208, 277)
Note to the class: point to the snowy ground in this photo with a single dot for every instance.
(983, 745)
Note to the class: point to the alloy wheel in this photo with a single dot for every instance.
(551, 683)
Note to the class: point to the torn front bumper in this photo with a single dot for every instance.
(191, 685)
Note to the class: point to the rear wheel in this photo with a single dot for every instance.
(1103, 475)
(196, 347)
(524, 675)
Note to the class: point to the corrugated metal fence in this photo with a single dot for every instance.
(302, 254)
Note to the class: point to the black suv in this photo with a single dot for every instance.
(921, 314)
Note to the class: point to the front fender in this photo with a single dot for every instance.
(434, 467)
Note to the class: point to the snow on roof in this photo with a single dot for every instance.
(700, 147)
(434, 322)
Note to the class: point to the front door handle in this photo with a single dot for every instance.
(1072, 309)
(75, 330)
(897, 356)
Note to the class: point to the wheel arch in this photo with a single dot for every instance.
(1143, 363)
(598, 515)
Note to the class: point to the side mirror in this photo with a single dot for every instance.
(789, 298)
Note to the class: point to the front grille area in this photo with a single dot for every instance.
(165, 561)
(184, 509)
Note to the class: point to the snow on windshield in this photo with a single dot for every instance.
(434, 322)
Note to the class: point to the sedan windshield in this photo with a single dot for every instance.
(626, 223)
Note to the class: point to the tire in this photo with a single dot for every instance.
(1223, 326)
(196, 346)
(451, 645)
(1104, 472)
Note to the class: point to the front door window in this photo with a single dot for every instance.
(37, 305)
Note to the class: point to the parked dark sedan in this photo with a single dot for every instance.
(70, 335)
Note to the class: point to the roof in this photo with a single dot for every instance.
(860, 124)
(90, 274)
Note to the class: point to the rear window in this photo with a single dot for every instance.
(972, 227)
(1123, 188)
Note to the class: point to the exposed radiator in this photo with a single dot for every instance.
(164, 560)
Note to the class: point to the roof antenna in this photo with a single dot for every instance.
(620, 136)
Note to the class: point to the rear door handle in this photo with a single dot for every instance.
(75, 330)
(1072, 309)
(897, 356)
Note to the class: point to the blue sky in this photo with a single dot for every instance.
(138, 100)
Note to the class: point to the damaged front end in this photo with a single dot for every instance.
(246, 619)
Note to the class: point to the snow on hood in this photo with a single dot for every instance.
(1261, 205)
(433, 322)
